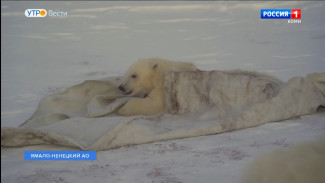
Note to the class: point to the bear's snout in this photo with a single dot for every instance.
(122, 88)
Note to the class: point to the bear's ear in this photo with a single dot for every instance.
(154, 67)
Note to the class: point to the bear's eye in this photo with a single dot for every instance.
(134, 76)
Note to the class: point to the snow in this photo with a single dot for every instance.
(103, 38)
(215, 158)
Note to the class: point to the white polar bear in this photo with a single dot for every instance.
(145, 79)
(301, 163)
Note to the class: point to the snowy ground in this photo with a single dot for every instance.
(216, 158)
(99, 39)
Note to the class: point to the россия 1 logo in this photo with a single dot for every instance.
(35, 13)
(282, 14)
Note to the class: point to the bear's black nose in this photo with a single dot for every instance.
(121, 87)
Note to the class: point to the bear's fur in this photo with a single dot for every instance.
(144, 80)
(301, 163)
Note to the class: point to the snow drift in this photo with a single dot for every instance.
(196, 103)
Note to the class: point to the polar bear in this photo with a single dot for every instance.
(304, 162)
(144, 80)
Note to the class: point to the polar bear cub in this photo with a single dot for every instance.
(144, 80)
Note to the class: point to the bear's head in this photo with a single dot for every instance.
(141, 78)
